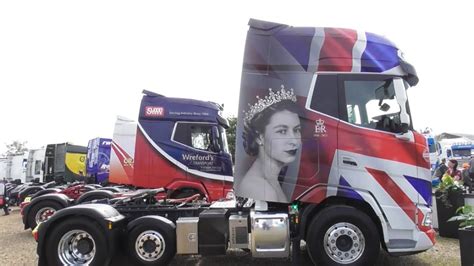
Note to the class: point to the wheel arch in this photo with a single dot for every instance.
(102, 193)
(180, 185)
(149, 220)
(61, 199)
(368, 205)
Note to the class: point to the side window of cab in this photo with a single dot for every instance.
(370, 101)
(194, 135)
(324, 95)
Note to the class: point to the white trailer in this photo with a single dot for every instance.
(3, 168)
(16, 167)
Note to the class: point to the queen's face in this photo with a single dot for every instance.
(282, 137)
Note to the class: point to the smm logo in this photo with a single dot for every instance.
(106, 143)
(154, 111)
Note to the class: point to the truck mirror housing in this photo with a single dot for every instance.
(402, 100)
(215, 147)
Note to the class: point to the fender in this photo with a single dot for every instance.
(109, 219)
(111, 189)
(97, 193)
(149, 219)
(28, 191)
(179, 184)
(318, 193)
(45, 191)
(62, 199)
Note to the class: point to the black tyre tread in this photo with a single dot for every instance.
(101, 257)
(334, 214)
(33, 210)
(168, 234)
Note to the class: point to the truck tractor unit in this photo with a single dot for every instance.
(65, 163)
(325, 153)
(122, 151)
(177, 144)
(98, 160)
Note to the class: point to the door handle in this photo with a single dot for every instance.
(349, 161)
(406, 136)
(402, 137)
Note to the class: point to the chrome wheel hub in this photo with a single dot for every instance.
(76, 247)
(43, 214)
(344, 243)
(150, 245)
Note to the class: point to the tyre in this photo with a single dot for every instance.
(343, 235)
(77, 242)
(41, 212)
(152, 243)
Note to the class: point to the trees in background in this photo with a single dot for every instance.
(230, 132)
(15, 148)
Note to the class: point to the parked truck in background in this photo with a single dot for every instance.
(433, 149)
(459, 148)
(34, 165)
(177, 144)
(65, 162)
(16, 167)
(325, 152)
(123, 151)
(98, 160)
(3, 168)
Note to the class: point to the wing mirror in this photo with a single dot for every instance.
(215, 147)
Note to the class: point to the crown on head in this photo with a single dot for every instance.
(270, 99)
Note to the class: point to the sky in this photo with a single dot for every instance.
(68, 68)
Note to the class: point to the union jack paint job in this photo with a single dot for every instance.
(386, 170)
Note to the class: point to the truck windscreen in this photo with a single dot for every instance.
(461, 152)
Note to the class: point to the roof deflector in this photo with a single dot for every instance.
(264, 25)
(153, 94)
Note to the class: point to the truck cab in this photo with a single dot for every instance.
(181, 144)
(98, 160)
(328, 111)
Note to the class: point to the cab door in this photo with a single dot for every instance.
(376, 152)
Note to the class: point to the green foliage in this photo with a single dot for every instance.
(466, 215)
(447, 186)
(231, 133)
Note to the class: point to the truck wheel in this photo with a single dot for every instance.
(343, 235)
(42, 211)
(152, 244)
(77, 242)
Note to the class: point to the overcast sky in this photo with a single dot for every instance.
(68, 68)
